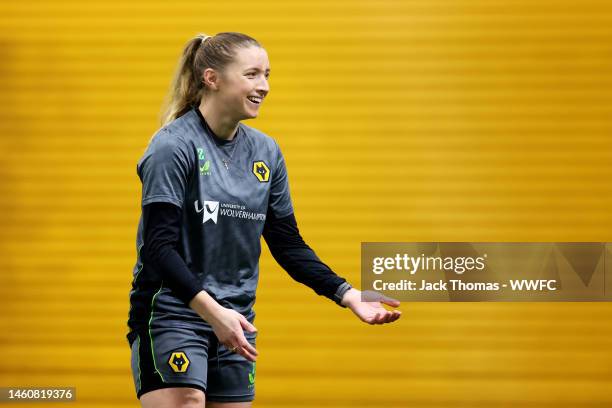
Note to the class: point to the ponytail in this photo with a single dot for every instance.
(185, 90)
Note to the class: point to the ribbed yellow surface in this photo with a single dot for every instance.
(421, 120)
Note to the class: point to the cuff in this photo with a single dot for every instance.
(342, 289)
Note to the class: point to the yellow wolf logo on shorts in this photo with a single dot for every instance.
(179, 362)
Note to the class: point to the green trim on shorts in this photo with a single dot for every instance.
(151, 335)
(138, 361)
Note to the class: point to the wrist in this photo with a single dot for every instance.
(351, 296)
(206, 307)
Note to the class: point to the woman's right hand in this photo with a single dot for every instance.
(227, 324)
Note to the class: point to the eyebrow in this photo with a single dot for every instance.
(256, 69)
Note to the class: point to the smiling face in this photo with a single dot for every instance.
(243, 84)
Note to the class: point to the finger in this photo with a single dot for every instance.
(247, 325)
(388, 317)
(246, 349)
(249, 348)
(373, 319)
(246, 354)
(379, 317)
(384, 318)
(244, 344)
(241, 351)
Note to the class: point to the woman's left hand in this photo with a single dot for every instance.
(371, 312)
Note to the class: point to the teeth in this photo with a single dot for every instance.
(254, 99)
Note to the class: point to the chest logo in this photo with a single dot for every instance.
(203, 164)
(210, 209)
(261, 171)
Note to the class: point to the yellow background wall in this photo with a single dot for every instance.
(420, 120)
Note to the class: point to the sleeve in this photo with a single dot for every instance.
(299, 260)
(161, 229)
(164, 169)
(280, 199)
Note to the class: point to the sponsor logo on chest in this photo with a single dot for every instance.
(212, 210)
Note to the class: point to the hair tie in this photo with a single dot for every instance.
(206, 37)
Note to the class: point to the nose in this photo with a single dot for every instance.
(263, 87)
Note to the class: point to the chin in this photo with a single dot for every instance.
(250, 115)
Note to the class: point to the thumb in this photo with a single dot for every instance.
(390, 301)
(373, 296)
(247, 325)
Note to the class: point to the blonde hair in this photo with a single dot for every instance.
(200, 53)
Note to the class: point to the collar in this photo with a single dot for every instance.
(215, 138)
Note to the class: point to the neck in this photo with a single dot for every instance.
(220, 123)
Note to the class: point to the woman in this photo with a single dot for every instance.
(211, 187)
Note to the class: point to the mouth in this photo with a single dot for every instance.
(255, 100)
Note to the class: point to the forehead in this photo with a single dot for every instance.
(251, 57)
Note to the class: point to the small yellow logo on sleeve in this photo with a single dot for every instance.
(261, 171)
(179, 362)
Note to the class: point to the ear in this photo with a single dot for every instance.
(211, 79)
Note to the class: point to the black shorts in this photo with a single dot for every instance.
(180, 357)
